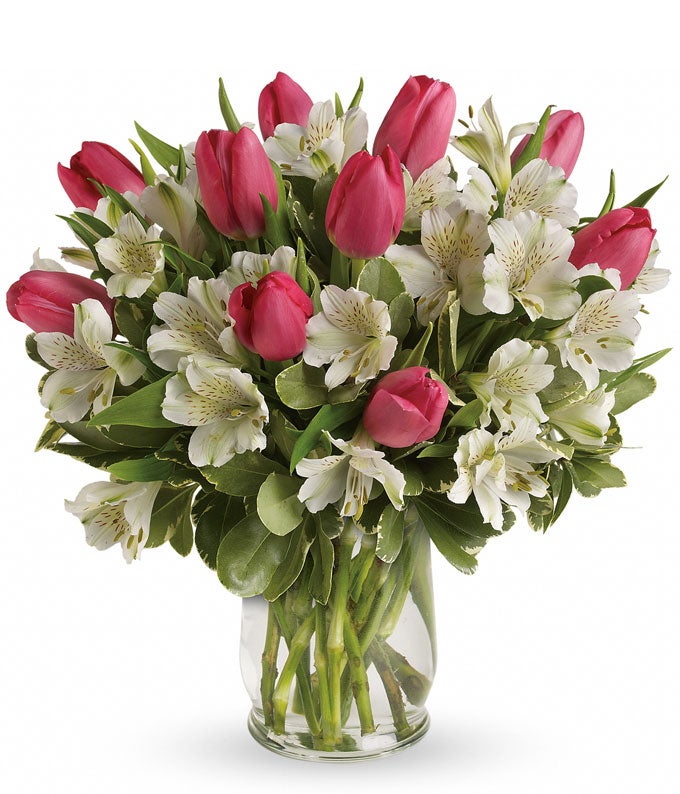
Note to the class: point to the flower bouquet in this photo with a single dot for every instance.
(308, 361)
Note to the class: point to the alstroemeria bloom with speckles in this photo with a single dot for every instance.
(127, 254)
(651, 278)
(352, 334)
(451, 257)
(544, 189)
(348, 478)
(249, 267)
(86, 367)
(586, 420)
(501, 468)
(114, 512)
(530, 263)
(509, 387)
(600, 336)
(433, 188)
(222, 403)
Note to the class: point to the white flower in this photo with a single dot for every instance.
(327, 141)
(433, 188)
(585, 420)
(79, 256)
(488, 146)
(509, 388)
(248, 267)
(349, 477)
(197, 323)
(651, 278)
(222, 403)
(480, 194)
(454, 241)
(45, 264)
(173, 207)
(128, 255)
(113, 512)
(544, 189)
(500, 468)
(86, 367)
(600, 335)
(352, 334)
(530, 262)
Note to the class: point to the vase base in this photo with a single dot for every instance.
(300, 744)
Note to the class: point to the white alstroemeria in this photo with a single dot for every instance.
(480, 195)
(352, 334)
(530, 262)
(86, 367)
(509, 388)
(544, 189)
(135, 263)
(325, 142)
(451, 257)
(585, 420)
(45, 264)
(173, 207)
(500, 468)
(600, 336)
(433, 188)
(248, 267)
(651, 278)
(348, 478)
(114, 512)
(222, 403)
(82, 257)
(488, 146)
(197, 323)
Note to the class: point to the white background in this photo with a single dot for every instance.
(559, 660)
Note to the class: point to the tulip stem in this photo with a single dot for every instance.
(357, 267)
(253, 246)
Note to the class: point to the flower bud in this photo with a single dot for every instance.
(105, 165)
(405, 408)
(418, 124)
(367, 204)
(621, 239)
(44, 299)
(233, 169)
(562, 142)
(271, 318)
(282, 101)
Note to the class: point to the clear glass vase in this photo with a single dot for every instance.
(348, 679)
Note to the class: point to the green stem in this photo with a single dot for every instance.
(394, 698)
(298, 644)
(269, 671)
(252, 245)
(414, 684)
(409, 559)
(362, 565)
(377, 612)
(357, 267)
(321, 664)
(359, 678)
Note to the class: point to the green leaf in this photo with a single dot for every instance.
(611, 196)
(132, 322)
(533, 148)
(447, 330)
(413, 476)
(596, 472)
(302, 386)
(356, 99)
(50, 436)
(636, 388)
(401, 310)
(140, 409)
(284, 433)
(439, 474)
(301, 269)
(171, 512)
(293, 561)
(442, 538)
(445, 449)
(248, 557)
(183, 262)
(329, 522)
(100, 228)
(233, 124)
(278, 505)
(141, 356)
(275, 232)
(215, 514)
(589, 285)
(390, 534)
(647, 195)
(165, 155)
(415, 357)
(346, 393)
(566, 383)
(323, 556)
(381, 280)
(327, 418)
(615, 379)
(468, 415)
(147, 169)
(143, 470)
(138, 437)
(565, 490)
(32, 351)
(243, 475)
(370, 515)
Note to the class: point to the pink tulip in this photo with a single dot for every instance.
(367, 204)
(44, 299)
(405, 408)
(418, 124)
(562, 143)
(621, 239)
(233, 169)
(282, 101)
(105, 165)
(271, 318)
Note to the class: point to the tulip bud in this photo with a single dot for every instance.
(105, 165)
(405, 408)
(621, 239)
(418, 124)
(271, 318)
(233, 169)
(44, 299)
(367, 204)
(562, 142)
(282, 101)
